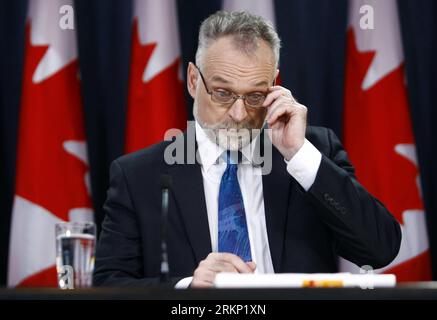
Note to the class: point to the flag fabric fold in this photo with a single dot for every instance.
(378, 133)
(156, 97)
(52, 177)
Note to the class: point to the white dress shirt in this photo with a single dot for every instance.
(303, 167)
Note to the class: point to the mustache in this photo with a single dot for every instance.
(225, 124)
(232, 125)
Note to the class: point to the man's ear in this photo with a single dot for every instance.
(192, 74)
(276, 76)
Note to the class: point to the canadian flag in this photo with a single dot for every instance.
(52, 179)
(156, 97)
(378, 132)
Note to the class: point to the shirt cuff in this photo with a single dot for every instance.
(184, 283)
(304, 165)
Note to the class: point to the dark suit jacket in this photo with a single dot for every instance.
(307, 231)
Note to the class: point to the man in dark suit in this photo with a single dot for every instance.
(225, 212)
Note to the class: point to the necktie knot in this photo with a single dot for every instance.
(232, 157)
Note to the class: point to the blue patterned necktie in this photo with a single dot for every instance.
(232, 227)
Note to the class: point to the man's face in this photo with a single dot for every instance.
(226, 67)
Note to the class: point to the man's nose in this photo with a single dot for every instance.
(238, 110)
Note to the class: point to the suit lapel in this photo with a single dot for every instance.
(190, 196)
(276, 190)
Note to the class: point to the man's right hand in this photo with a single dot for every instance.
(216, 262)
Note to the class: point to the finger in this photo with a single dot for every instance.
(237, 262)
(215, 263)
(278, 102)
(203, 275)
(223, 266)
(224, 257)
(272, 96)
(284, 91)
(252, 265)
(207, 263)
(281, 111)
(201, 284)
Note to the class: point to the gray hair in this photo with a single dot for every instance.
(244, 26)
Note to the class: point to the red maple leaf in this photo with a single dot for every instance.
(51, 114)
(154, 106)
(47, 175)
(376, 120)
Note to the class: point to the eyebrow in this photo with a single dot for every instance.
(222, 80)
(219, 79)
(261, 83)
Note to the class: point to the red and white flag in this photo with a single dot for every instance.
(52, 179)
(156, 97)
(378, 132)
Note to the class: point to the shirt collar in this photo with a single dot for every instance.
(210, 152)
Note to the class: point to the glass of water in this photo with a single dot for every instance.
(75, 250)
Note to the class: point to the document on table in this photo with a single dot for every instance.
(303, 280)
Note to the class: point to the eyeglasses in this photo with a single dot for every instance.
(228, 98)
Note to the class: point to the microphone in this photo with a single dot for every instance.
(166, 183)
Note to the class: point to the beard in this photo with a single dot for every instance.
(228, 134)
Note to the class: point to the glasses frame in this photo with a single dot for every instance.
(234, 97)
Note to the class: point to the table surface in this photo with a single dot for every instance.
(410, 291)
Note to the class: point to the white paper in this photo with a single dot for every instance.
(302, 280)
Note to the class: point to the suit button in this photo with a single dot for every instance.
(343, 210)
(326, 196)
